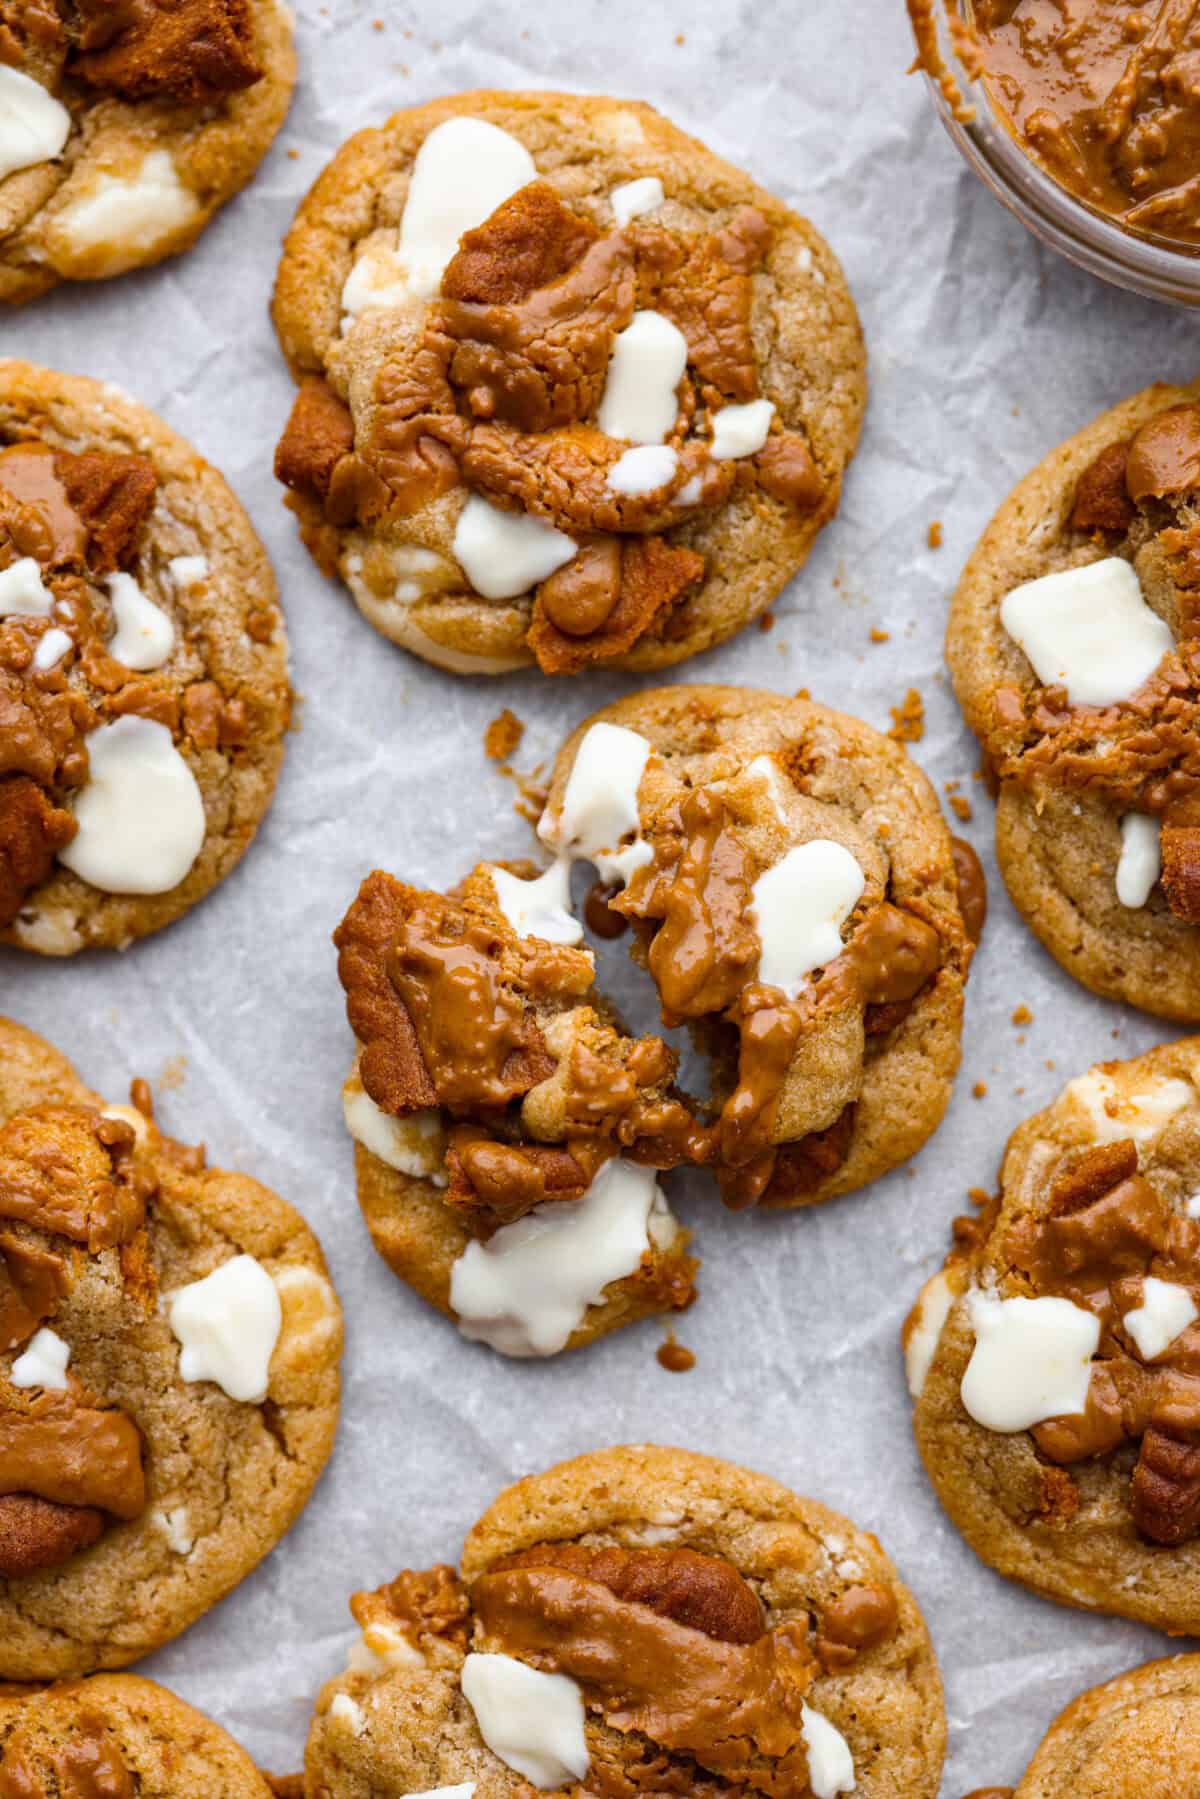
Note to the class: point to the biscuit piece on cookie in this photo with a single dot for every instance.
(118, 1736)
(169, 1349)
(572, 389)
(1053, 1360)
(144, 692)
(1074, 643)
(1136, 1737)
(795, 898)
(124, 128)
(639, 1620)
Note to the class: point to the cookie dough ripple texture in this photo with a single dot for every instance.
(605, 428)
(144, 687)
(120, 137)
(1074, 646)
(135, 1491)
(622, 1601)
(1052, 1359)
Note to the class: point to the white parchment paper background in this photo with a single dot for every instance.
(985, 352)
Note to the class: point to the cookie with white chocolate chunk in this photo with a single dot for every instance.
(169, 1349)
(1054, 1360)
(144, 693)
(639, 1620)
(117, 1736)
(796, 901)
(1074, 644)
(123, 129)
(573, 389)
(1135, 1737)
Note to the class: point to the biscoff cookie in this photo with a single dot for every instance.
(1074, 644)
(144, 693)
(639, 1620)
(169, 1348)
(1053, 1359)
(573, 389)
(117, 1736)
(1136, 1737)
(795, 898)
(124, 129)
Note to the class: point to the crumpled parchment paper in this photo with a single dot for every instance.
(985, 352)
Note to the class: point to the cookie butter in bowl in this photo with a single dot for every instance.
(1083, 117)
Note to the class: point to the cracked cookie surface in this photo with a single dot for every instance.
(1136, 1737)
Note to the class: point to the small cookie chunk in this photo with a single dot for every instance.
(116, 1736)
(1074, 644)
(1052, 1361)
(1136, 1737)
(169, 1349)
(573, 390)
(123, 129)
(639, 1620)
(795, 898)
(144, 693)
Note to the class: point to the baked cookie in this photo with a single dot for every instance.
(1136, 1737)
(1074, 643)
(572, 389)
(116, 1736)
(123, 129)
(169, 1347)
(1053, 1361)
(508, 1128)
(639, 1620)
(144, 689)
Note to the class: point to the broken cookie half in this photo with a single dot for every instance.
(794, 897)
(572, 390)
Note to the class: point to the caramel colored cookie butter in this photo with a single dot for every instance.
(583, 427)
(168, 1374)
(141, 722)
(1053, 1361)
(493, 1082)
(1074, 644)
(587, 1646)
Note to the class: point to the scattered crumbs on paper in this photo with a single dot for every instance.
(908, 718)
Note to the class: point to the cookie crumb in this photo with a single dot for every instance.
(376, 24)
(933, 537)
(680, 38)
(908, 718)
(802, 693)
(173, 1075)
(979, 1090)
(878, 636)
(293, 156)
(767, 622)
(961, 808)
(503, 736)
(1022, 1015)
(673, 1356)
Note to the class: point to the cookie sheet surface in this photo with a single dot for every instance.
(985, 352)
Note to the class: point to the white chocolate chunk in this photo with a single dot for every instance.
(1140, 861)
(830, 1763)
(529, 1287)
(644, 469)
(1088, 630)
(798, 908)
(346, 1711)
(44, 1363)
(504, 554)
(188, 571)
(140, 816)
(1032, 1360)
(176, 1527)
(640, 403)
(632, 199)
(464, 170)
(23, 593)
(34, 126)
(539, 908)
(145, 636)
(52, 647)
(924, 1329)
(690, 493)
(1116, 1109)
(465, 1791)
(740, 430)
(1165, 1311)
(228, 1325)
(381, 1647)
(120, 218)
(532, 1721)
(378, 278)
(414, 1144)
(600, 804)
(764, 768)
